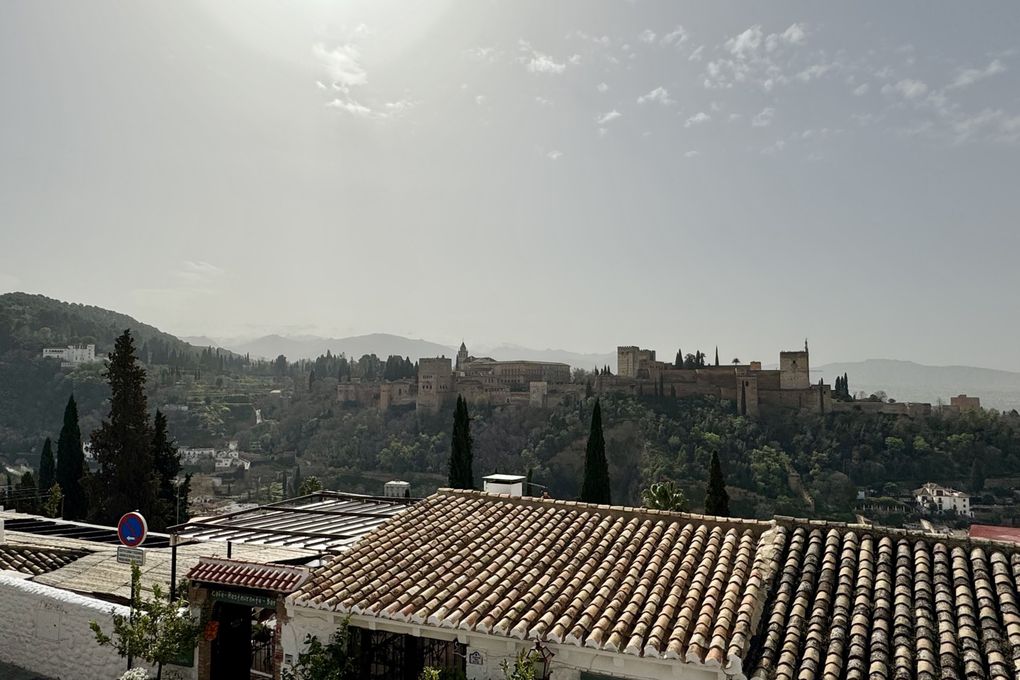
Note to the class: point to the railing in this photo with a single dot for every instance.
(262, 657)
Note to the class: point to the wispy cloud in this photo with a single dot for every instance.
(967, 77)
(198, 271)
(815, 71)
(764, 117)
(659, 95)
(482, 54)
(692, 154)
(907, 88)
(539, 62)
(608, 117)
(343, 63)
(752, 56)
(385, 111)
(350, 106)
(697, 119)
(602, 87)
(861, 90)
(677, 36)
(554, 155)
(647, 36)
(698, 54)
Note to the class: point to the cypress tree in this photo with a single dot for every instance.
(173, 505)
(70, 471)
(461, 476)
(717, 501)
(595, 487)
(47, 467)
(679, 361)
(717, 355)
(126, 478)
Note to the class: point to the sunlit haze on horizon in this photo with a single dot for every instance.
(577, 175)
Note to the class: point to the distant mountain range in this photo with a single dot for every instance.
(910, 381)
(383, 345)
(30, 322)
(310, 346)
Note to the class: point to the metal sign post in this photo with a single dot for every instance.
(131, 530)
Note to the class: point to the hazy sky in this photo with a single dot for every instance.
(554, 174)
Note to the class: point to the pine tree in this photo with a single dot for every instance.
(461, 476)
(173, 501)
(71, 464)
(595, 486)
(717, 501)
(126, 478)
(47, 467)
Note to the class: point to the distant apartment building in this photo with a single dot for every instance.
(934, 497)
(72, 355)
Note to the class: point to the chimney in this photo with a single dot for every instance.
(397, 489)
(508, 484)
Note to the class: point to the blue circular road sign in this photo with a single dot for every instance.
(131, 529)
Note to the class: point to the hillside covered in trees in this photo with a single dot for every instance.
(802, 465)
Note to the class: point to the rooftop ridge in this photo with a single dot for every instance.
(622, 511)
(896, 532)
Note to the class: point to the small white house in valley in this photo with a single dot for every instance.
(934, 497)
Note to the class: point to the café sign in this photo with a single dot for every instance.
(244, 599)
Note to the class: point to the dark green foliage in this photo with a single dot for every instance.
(398, 368)
(70, 471)
(332, 661)
(717, 501)
(27, 495)
(159, 631)
(679, 361)
(126, 478)
(977, 476)
(173, 490)
(47, 466)
(595, 486)
(461, 455)
(664, 496)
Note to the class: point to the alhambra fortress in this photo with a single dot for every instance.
(481, 380)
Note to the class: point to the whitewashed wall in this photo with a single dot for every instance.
(46, 630)
(486, 652)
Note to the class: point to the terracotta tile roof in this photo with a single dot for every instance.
(272, 577)
(785, 600)
(34, 560)
(888, 604)
(639, 582)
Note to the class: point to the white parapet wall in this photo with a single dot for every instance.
(46, 630)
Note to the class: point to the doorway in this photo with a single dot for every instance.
(231, 649)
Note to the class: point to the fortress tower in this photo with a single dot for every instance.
(794, 370)
(462, 357)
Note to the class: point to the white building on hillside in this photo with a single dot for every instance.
(932, 496)
(72, 355)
